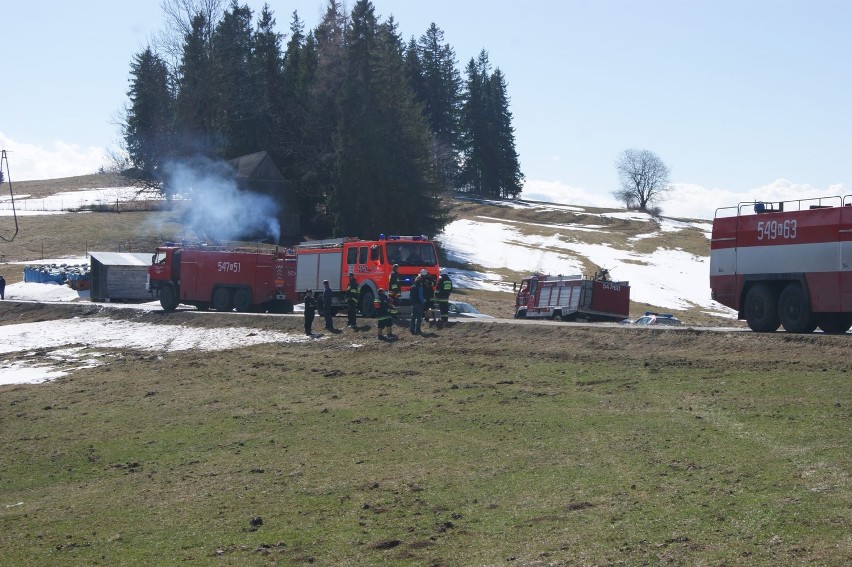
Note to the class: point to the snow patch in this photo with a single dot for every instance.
(65, 342)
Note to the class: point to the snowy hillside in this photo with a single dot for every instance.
(671, 275)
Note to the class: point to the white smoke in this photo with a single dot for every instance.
(217, 208)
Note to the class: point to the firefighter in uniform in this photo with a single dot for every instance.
(353, 295)
(393, 283)
(429, 298)
(417, 300)
(381, 308)
(442, 295)
(310, 309)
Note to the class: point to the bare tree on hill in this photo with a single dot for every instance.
(179, 15)
(644, 179)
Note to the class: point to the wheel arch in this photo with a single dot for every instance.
(371, 285)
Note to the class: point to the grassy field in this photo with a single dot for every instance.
(482, 444)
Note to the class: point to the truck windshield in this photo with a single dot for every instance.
(411, 254)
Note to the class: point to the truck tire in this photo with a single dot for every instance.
(835, 323)
(168, 298)
(242, 299)
(222, 299)
(761, 309)
(367, 302)
(522, 314)
(794, 310)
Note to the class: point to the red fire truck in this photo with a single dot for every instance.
(785, 263)
(573, 298)
(371, 262)
(225, 278)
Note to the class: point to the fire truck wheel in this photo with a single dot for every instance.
(835, 323)
(761, 309)
(222, 300)
(168, 298)
(794, 310)
(242, 300)
(367, 303)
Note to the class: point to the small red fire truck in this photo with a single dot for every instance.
(573, 298)
(370, 260)
(785, 263)
(225, 278)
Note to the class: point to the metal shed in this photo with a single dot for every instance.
(119, 276)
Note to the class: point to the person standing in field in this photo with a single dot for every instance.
(326, 306)
(310, 309)
(353, 295)
(382, 309)
(442, 296)
(2, 287)
(393, 287)
(417, 300)
(429, 298)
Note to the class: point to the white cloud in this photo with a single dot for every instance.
(60, 159)
(685, 200)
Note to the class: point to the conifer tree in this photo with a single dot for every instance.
(238, 101)
(149, 119)
(195, 104)
(322, 67)
(440, 94)
(490, 161)
(509, 178)
(268, 61)
(385, 176)
(475, 138)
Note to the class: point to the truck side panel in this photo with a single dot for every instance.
(331, 269)
(314, 267)
(612, 298)
(780, 245)
(189, 281)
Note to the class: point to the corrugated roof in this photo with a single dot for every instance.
(248, 165)
(122, 258)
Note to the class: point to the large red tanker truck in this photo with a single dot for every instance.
(224, 278)
(785, 263)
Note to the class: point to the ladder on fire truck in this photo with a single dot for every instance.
(5, 176)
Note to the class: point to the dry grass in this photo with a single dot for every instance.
(47, 187)
(482, 444)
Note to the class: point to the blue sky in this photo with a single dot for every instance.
(741, 99)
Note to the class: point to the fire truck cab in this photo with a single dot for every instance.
(371, 261)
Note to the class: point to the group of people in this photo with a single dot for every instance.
(427, 294)
(311, 304)
(429, 299)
